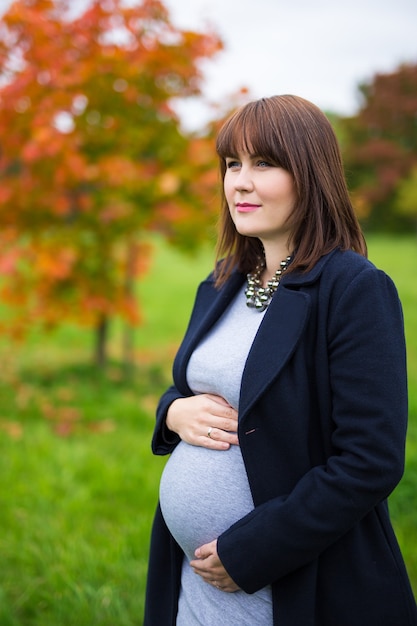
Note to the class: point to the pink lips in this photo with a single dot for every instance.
(245, 207)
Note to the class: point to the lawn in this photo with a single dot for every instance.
(79, 484)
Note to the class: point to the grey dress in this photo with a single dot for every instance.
(202, 491)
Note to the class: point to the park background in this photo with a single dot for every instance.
(107, 224)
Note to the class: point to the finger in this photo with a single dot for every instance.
(225, 423)
(229, 417)
(225, 585)
(206, 576)
(206, 568)
(232, 588)
(222, 408)
(224, 435)
(206, 550)
(230, 412)
(211, 443)
(220, 577)
(217, 434)
(206, 572)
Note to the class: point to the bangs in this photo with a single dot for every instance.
(254, 131)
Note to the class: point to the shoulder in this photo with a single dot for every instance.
(347, 262)
(353, 286)
(348, 268)
(344, 263)
(342, 268)
(337, 265)
(345, 277)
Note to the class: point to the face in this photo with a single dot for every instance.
(260, 196)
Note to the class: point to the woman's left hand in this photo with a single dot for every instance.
(208, 565)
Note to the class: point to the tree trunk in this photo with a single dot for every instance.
(132, 251)
(128, 346)
(101, 335)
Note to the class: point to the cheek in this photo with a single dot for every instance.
(228, 191)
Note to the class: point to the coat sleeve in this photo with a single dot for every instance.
(164, 440)
(367, 377)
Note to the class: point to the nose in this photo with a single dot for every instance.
(243, 180)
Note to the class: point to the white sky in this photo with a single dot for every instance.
(318, 49)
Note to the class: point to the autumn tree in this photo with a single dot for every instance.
(381, 148)
(92, 157)
(406, 198)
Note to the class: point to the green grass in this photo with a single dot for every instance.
(78, 491)
(79, 484)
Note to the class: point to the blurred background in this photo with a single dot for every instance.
(108, 204)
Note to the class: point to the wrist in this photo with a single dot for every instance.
(170, 417)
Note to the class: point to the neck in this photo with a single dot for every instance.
(273, 257)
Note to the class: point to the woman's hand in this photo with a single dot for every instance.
(204, 420)
(208, 565)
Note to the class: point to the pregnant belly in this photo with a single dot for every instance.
(202, 493)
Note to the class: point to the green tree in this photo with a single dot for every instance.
(93, 157)
(381, 146)
(406, 199)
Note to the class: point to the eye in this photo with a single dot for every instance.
(262, 163)
(232, 164)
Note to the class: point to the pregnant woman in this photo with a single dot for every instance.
(286, 421)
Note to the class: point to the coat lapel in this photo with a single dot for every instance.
(210, 305)
(275, 342)
(277, 337)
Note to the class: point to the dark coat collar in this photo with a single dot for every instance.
(275, 341)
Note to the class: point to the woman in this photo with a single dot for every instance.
(287, 418)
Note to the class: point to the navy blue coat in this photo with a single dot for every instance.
(322, 426)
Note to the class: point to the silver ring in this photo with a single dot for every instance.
(209, 432)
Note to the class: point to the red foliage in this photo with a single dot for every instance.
(92, 154)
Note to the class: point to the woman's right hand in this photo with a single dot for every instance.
(204, 420)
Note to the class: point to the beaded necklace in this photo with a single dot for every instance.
(257, 296)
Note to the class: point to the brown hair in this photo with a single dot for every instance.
(295, 134)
